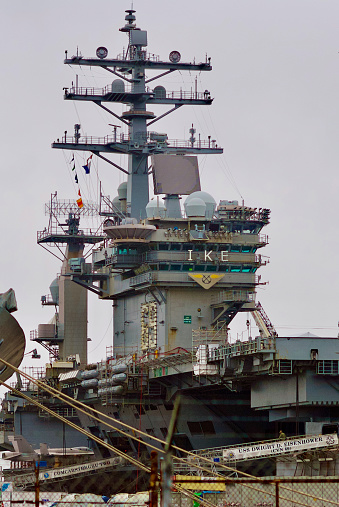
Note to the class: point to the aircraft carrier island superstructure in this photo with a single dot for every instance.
(177, 275)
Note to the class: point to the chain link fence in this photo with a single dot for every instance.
(193, 491)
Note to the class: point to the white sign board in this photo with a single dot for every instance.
(279, 447)
(78, 469)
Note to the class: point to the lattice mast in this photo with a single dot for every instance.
(131, 68)
(66, 336)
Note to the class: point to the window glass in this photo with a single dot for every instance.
(187, 267)
(222, 267)
(187, 246)
(200, 248)
(199, 267)
(163, 267)
(211, 267)
(163, 246)
(175, 267)
(235, 269)
(175, 246)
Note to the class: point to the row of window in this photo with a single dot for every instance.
(216, 247)
(189, 267)
(185, 247)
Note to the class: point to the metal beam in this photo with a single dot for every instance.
(165, 114)
(159, 75)
(92, 288)
(111, 112)
(131, 64)
(112, 163)
(117, 74)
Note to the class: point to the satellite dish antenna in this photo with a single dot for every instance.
(102, 52)
(175, 56)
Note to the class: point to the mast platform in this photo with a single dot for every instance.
(123, 64)
(127, 145)
(106, 94)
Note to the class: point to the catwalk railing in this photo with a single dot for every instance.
(109, 89)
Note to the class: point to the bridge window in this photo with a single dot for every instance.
(211, 267)
(175, 246)
(201, 248)
(235, 269)
(187, 246)
(163, 267)
(246, 269)
(163, 246)
(223, 267)
(187, 267)
(175, 267)
(199, 267)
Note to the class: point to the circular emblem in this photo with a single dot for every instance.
(102, 52)
(206, 279)
(46, 475)
(174, 56)
(330, 440)
(230, 455)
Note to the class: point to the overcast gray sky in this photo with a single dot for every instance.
(275, 81)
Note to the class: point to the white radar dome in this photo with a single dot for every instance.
(208, 200)
(195, 207)
(155, 208)
(117, 203)
(129, 221)
(122, 190)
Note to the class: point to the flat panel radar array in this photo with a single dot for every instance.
(175, 174)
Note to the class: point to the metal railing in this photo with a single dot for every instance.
(58, 230)
(233, 295)
(171, 95)
(124, 139)
(328, 367)
(123, 259)
(242, 348)
(144, 278)
(242, 213)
